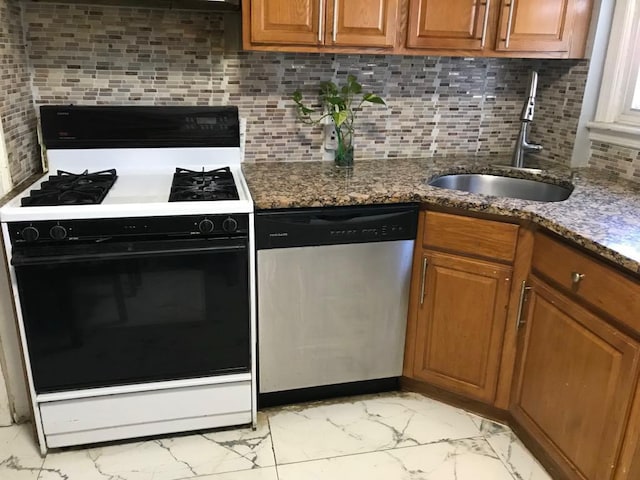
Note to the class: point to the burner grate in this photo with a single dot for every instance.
(66, 188)
(212, 185)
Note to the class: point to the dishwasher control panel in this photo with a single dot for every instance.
(335, 225)
(382, 231)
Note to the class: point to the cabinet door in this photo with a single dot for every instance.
(460, 324)
(448, 24)
(287, 22)
(365, 23)
(574, 385)
(536, 25)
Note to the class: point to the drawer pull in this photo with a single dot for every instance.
(424, 274)
(484, 24)
(576, 278)
(509, 23)
(321, 22)
(523, 294)
(335, 21)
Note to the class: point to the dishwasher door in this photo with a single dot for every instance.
(332, 314)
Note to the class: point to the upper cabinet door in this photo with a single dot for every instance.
(536, 25)
(448, 24)
(366, 23)
(287, 22)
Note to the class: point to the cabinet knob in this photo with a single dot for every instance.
(576, 278)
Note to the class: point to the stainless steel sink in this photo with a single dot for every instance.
(500, 186)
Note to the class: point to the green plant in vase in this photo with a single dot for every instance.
(340, 105)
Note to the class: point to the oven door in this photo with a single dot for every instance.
(118, 313)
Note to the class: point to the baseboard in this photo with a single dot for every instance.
(475, 406)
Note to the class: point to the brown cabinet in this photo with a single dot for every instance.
(362, 23)
(537, 25)
(319, 25)
(460, 324)
(452, 24)
(575, 383)
(480, 287)
(530, 28)
(461, 289)
(286, 21)
(493, 28)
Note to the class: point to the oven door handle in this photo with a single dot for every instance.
(26, 257)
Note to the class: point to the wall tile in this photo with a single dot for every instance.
(119, 55)
(16, 101)
(561, 86)
(622, 161)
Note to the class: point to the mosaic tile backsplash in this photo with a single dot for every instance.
(622, 161)
(121, 55)
(16, 101)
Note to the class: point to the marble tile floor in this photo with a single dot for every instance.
(403, 436)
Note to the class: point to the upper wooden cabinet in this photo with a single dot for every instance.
(491, 28)
(453, 24)
(365, 23)
(319, 25)
(536, 25)
(286, 21)
(513, 28)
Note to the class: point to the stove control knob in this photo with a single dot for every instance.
(206, 226)
(58, 232)
(230, 225)
(30, 234)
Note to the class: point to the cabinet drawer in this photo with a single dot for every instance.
(601, 286)
(471, 236)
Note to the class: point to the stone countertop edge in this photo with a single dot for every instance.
(602, 214)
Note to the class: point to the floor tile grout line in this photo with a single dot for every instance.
(273, 447)
(382, 450)
(510, 470)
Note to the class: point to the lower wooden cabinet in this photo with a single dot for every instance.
(575, 394)
(460, 324)
(574, 384)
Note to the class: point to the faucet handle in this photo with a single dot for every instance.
(531, 147)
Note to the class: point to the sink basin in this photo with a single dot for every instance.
(500, 186)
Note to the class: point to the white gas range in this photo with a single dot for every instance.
(132, 267)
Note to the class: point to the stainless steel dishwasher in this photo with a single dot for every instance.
(333, 288)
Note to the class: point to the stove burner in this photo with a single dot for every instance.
(67, 188)
(189, 185)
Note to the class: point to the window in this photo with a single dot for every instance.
(617, 118)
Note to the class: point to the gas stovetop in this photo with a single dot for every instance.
(68, 188)
(190, 185)
(170, 161)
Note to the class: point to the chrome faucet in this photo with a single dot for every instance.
(526, 117)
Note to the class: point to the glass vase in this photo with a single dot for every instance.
(343, 156)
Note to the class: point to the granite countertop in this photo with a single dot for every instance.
(602, 214)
